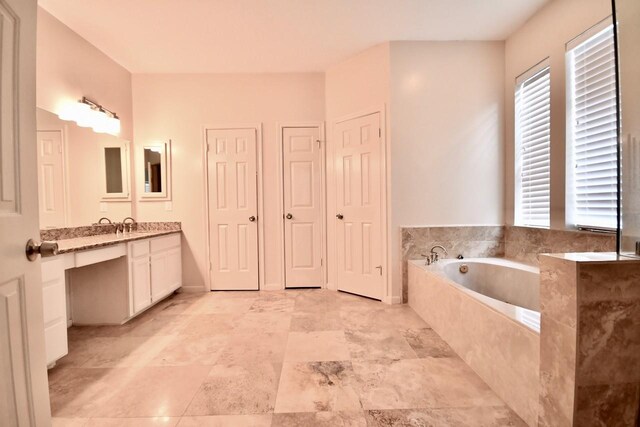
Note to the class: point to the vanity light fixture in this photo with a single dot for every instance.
(87, 113)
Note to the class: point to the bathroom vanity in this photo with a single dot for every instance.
(104, 279)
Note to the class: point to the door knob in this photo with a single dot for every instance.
(252, 218)
(340, 216)
(289, 216)
(46, 249)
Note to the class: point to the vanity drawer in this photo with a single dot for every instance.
(95, 256)
(139, 248)
(165, 242)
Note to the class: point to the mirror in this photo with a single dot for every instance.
(628, 32)
(115, 161)
(155, 170)
(82, 175)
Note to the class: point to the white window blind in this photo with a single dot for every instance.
(592, 125)
(533, 145)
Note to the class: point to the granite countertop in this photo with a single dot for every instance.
(100, 240)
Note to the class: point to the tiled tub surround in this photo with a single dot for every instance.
(504, 352)
(590, 340)
(525, 244)
(518, 243)
(470, 241)
(94, 236)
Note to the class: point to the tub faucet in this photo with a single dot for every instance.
(434, 256)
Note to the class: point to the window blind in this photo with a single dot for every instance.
(533, 145)
(593, 132)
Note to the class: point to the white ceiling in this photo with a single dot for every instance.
(191, 36)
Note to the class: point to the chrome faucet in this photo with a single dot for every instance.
(434, 256)
(128, 226)
(104, 218)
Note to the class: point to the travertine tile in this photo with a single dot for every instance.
(320, 419)
(316, 321)
(226, 421)
(607, 405)
(317, 346)
(237, 390)
(69, 422)
(316, 387)
(378, 344)
(426, 343)
(263, 322)
(133, 422)
(420, 383)
(559, 290)
(484, 416)
(249, 348)
(154, 392)
(190, 350)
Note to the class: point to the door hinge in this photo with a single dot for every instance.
(321, 262)
(379, 267)
(380, 132)
(319, 143)
(208, 147)
(210, 266)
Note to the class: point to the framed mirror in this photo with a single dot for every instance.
(155, 171)
(115, 170)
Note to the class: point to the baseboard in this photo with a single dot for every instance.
(331, 286)
(392, 299)
(192, 288)
(272, 287)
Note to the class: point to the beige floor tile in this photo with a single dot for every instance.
(155, 392)
(315, 387)
(210, 324)
(69, 422)
(134, 422)
(123, 351)
(420, 383)
(317, 346)
(320, 419)
(426, 343)
(226, 421)
(271, 304)
(237, 390)
(378, 344)
(80, 392)
(263, 322)
(161, 324)
(486, 416)
(215, 304)
(316, 321)
(249, 348)
(190, 350)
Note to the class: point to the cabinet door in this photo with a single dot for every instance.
(159, 279)
(174, 269)
(54, 308)
(140, 283)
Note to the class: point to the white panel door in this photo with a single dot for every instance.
(359, 206)
(302, 162)
(24, 393)
(51, 179)
(233, 208)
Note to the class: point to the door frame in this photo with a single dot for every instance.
(385, 188)
(280, 126)
(257, 127)
(65, 162)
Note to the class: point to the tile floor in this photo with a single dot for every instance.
(290, 358)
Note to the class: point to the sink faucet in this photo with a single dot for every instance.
(108, 221)
(434, 256)
(128, 225)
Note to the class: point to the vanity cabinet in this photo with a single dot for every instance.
(155, 270)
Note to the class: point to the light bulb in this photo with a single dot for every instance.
(84, 115)
(113, 126)
(101, 123)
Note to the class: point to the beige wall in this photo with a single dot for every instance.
(177, 107)
(447, 137)
(545, 36)
(69, 67)
(359, 84)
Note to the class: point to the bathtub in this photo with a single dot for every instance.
(509, 287)
(487, 310)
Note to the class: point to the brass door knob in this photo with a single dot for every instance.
(340, 216)
(252, 218)
(289, 216)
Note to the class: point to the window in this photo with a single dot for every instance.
(592, 168)
(533, 145)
